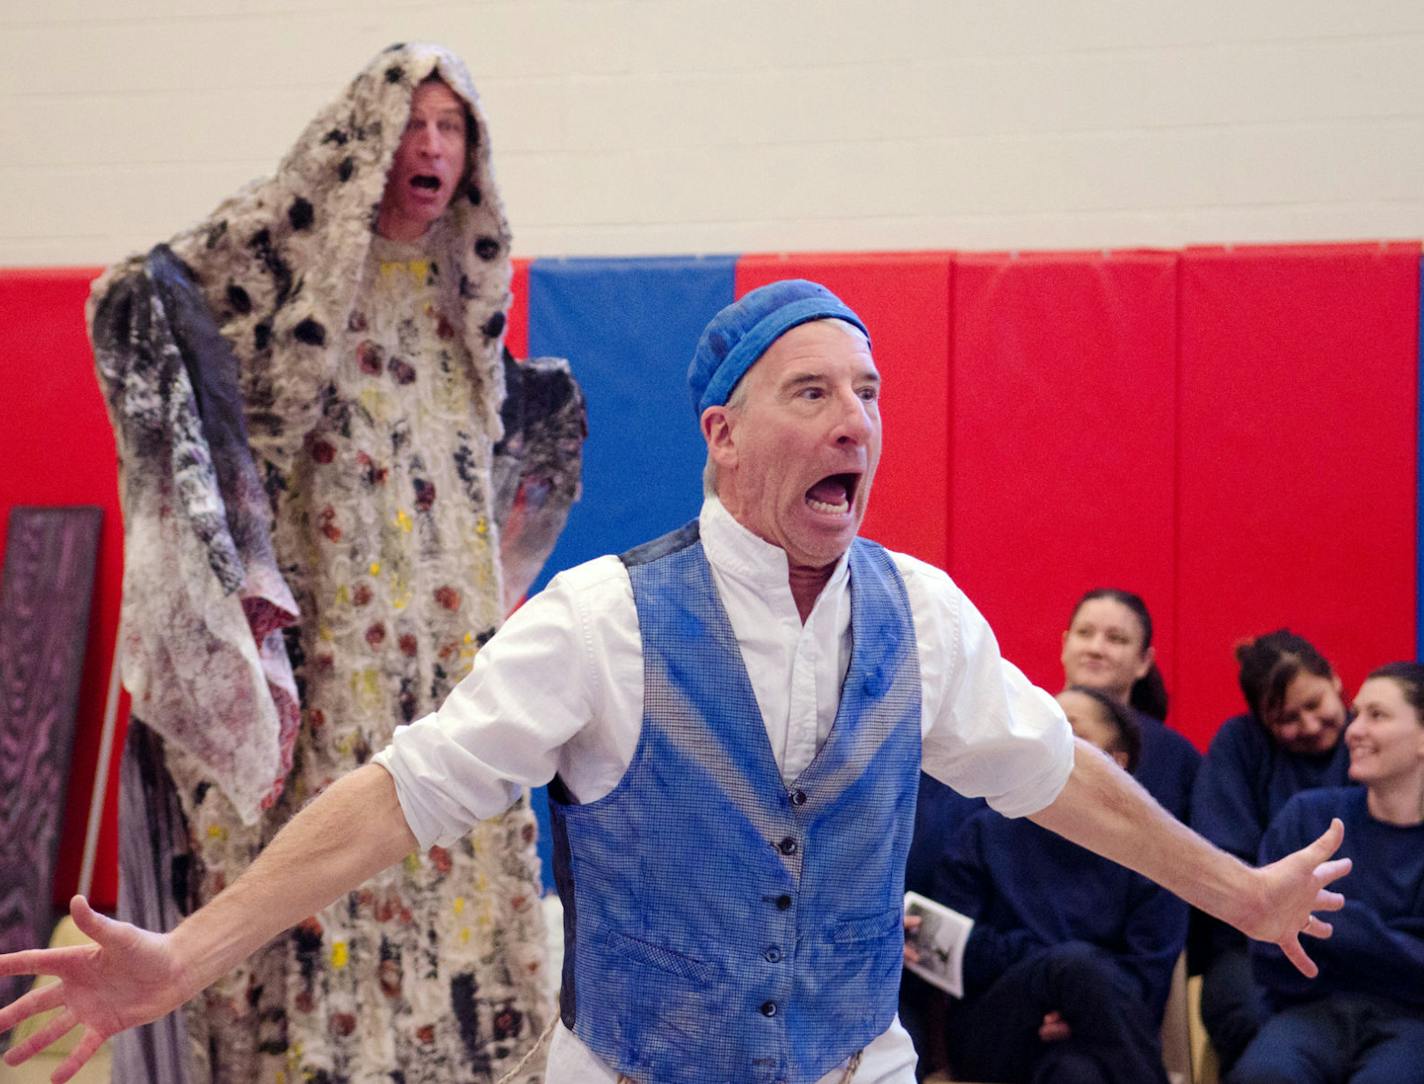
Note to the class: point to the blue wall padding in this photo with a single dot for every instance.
(628, 327)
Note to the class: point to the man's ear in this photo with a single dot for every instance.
(717, 431)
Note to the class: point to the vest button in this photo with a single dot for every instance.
(787, 846)
(768, 1008)
(798, 798)
(783, 903)
(773, 954)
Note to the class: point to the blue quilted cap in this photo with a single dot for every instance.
(743, 331)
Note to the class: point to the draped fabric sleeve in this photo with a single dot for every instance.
(537, 466)
(203, 605)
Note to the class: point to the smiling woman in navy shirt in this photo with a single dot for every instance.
(1362, 1019)
(1288, 741)
(1068, 965)
(1108, 647)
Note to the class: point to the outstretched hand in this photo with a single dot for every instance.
(127, 977)
(1294, 888)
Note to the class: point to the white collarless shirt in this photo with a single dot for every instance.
(559, 689)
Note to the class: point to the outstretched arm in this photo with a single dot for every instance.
(130, 976)
(1102, 808)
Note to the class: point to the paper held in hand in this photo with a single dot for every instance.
(938, 942)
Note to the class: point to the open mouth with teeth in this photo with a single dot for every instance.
(833, 494)
(427, 181)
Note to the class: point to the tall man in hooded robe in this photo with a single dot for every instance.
(335, 482)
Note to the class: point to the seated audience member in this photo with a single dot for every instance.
(1362, 1019)
(1108, 647)
(1288, 741)
(1068, 966)
(940, 812)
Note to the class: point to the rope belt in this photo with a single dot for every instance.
(538, 1045)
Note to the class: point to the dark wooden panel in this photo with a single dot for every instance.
(44, 619)
(57, 447)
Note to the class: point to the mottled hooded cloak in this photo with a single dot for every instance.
(334, 483)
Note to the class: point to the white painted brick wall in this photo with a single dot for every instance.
(662, 126)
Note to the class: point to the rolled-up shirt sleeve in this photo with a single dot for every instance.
(503, 727)
(988, 731)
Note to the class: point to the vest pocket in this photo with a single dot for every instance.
(869, 928)
(664, 959)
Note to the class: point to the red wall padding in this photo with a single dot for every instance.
(516, 337)
(904, 300)
(1297, 437)
(57, 448)
(1230, 433)
(1064, 393)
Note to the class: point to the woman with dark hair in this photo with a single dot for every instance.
(1108, 647)
(1066, 984)
(1288, 741)
(1362, 1019)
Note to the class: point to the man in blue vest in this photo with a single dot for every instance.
(734, 717)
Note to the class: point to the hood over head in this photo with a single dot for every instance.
(280, 262)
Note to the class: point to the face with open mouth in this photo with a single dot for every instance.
(428, 164)
(796, 459)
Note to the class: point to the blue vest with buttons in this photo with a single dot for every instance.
(723, 926)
